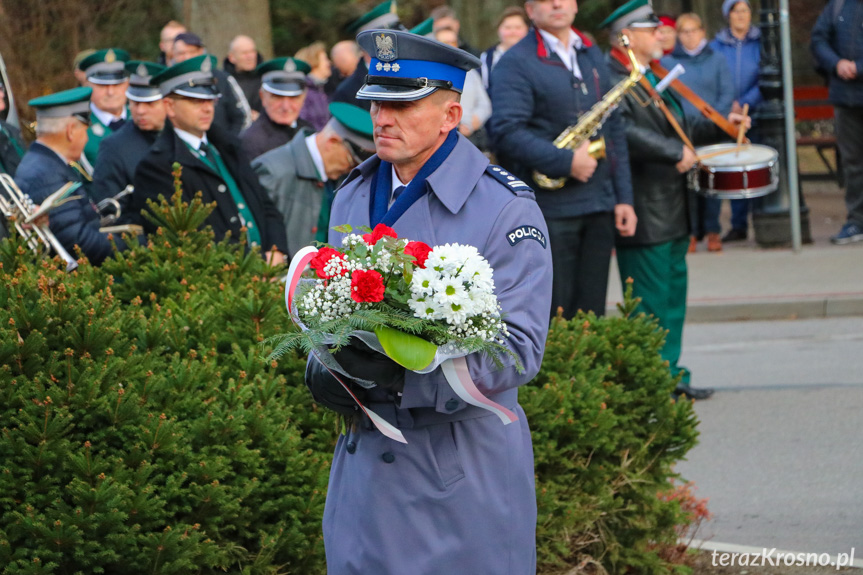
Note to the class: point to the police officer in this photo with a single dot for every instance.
(459, 497)
(61, 134)
(120, 152)
(107, 76)
(383, 16)
(283, 92)
(301, 176)
(211, 163)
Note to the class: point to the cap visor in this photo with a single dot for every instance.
(198, 92)
(284, 88)
(108, 79)
(393, 93)
(140, 94)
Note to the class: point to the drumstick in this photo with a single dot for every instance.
(741, 131)
(720, 152)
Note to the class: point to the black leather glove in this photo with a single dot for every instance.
(362, 362)
(327, 391)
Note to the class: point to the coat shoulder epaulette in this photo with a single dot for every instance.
(509, 181)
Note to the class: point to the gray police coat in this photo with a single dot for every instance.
(459, 497)
(289, 175)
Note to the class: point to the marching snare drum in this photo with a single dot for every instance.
(727, 172)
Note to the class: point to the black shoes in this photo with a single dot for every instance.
(736, 235)
(693, 392)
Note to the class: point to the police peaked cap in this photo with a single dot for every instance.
(140, 89)
(192, 78)
(106, 67)
(407, 67)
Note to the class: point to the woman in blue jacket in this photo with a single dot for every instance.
(740, 43)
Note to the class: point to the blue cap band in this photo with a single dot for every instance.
(419, 69)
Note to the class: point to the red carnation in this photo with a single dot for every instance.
(322, 259)
(367, 286)
(380, 231)
(419, 251)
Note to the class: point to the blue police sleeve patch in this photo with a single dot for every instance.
(526, 233)
(507, 179)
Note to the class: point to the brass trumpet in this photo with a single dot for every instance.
(16, 207)
(110, 209)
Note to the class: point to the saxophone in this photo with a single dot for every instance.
(590, 123)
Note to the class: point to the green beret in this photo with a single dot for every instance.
(63, 104)
(106, 67)
(192, 78)
(384, 15)
(283, 76)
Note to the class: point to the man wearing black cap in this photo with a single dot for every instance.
(211, 163)
(542, 85)
(107, 76)
(231, 101)
(120, 152)
(283, 92)
(459, 498)
(61, 134)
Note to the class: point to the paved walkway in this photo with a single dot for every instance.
(748, 282)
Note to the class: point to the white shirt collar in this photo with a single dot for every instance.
(566, 53)
(104, 116)
(315, 153)
(396, 184)
(193, 141)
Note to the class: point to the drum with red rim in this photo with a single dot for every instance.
(727, 172)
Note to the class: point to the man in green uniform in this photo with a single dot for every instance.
(107, 76)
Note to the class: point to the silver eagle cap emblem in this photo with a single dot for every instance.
(385, 47)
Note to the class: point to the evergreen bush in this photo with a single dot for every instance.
(141, 430)
(606, 435)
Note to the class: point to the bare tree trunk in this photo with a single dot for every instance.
(218, 21)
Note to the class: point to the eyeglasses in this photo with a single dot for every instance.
(83, 118)
(358, 155)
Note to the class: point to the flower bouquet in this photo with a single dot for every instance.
(419, 302)
(424, 307)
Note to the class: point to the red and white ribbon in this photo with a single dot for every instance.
(458, 376)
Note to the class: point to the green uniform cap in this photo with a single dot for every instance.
(283, 76)
(383, 16)
(353, 124)
(140, 89)
(105, 67)
(424, 28)
(192, 78)
(633, 14)
(74, 102)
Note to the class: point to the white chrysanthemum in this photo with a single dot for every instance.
(422, 280)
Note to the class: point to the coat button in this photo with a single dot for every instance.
(451, 405)
(388, 457)
(234, 219)
(351, 447)
(222, 188)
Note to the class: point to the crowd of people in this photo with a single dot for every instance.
(398, 127)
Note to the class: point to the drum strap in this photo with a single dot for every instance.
(696, 101)
(645, 83)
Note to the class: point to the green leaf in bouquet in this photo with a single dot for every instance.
(407, 350)
(344, 229)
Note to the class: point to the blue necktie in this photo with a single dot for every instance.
(397, 192)
(116, 124)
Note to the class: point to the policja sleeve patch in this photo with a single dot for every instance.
(526, 233)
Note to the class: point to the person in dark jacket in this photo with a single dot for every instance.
(740, 43)
(541, 86)
(61, 135)
(655, 257)
(230, 109)
(837, 43)
(120, 152)
(707, 75)
(242, 59)
(283, 92)
(11, 144)
(212, 163)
